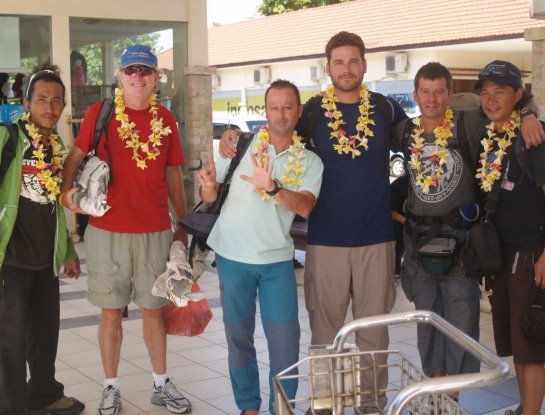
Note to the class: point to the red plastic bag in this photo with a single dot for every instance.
(190, 320)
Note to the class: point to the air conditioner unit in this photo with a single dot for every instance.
(262, 75)
(317, 73)
(537, 9)
(396, 63)
(216, 80)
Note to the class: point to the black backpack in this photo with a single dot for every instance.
(8, 152)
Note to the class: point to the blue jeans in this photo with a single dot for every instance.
(276, 288)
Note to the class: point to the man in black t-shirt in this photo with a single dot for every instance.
(34, 245)
(520, 220)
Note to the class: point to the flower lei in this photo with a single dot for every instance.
(439, 156)
(293, 169)
(348, 145)
(50, 173)
(490, 171)
(132, 138)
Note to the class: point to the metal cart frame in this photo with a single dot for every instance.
(335, 374)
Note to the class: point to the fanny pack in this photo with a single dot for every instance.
(438, 255)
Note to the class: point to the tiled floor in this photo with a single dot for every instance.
(198, 365)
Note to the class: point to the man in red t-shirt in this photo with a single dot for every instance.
(127, 248)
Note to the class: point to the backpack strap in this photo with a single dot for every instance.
(101, 126)
(312, 110)
(8, 152)
(522, 158)
(103, 120)
(244, 140)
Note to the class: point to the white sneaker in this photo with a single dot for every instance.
(111, 402)
(170, 397)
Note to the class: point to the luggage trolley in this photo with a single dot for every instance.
(334, 375)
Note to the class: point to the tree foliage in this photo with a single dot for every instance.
(270, 7)
(93, 54)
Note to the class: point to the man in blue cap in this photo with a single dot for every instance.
(127, 248)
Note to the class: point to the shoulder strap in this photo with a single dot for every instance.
(8, 152)
(103, 120)
(384, 107)
(308, 121)
(522, 158)
(408, 128)
(244, 140)
(493, 196)
(463, 142)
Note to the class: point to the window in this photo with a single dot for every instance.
(97, 44)
(26, 43)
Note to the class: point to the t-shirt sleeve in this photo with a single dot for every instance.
(175, 155)
(312, 177)
(84, 139)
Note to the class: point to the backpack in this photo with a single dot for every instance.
(8, 152)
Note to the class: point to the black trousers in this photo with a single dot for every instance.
(29, 333)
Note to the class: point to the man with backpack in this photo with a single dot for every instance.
(34, 245)
(129, 245)
(276, 179)
(441, 151)
(519, 217)
(350, 251)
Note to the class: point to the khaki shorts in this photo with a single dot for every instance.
(124, 266)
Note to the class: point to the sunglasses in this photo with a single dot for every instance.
(499, 71)
(142, 70)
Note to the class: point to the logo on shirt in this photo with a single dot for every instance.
(31, 186)
(447, 183)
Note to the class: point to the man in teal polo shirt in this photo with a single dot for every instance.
(276, 179)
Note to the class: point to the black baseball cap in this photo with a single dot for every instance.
(500, 72)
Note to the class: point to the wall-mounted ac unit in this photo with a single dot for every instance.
(317, 73)
(396, 63)
(216, 80)
(262, 75)
(537, 9)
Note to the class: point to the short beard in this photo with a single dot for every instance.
(357, 86)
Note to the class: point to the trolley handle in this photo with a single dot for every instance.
(498, 368)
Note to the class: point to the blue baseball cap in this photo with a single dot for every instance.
(138, 55)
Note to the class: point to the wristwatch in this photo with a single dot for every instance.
(527, 111)
(277, 187)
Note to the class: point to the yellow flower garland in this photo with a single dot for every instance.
(439, 156)
(351, 144)
(293, 169)
(50, 173)
(132, 138)
(490, 171)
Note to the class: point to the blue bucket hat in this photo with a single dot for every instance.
(138, 55)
